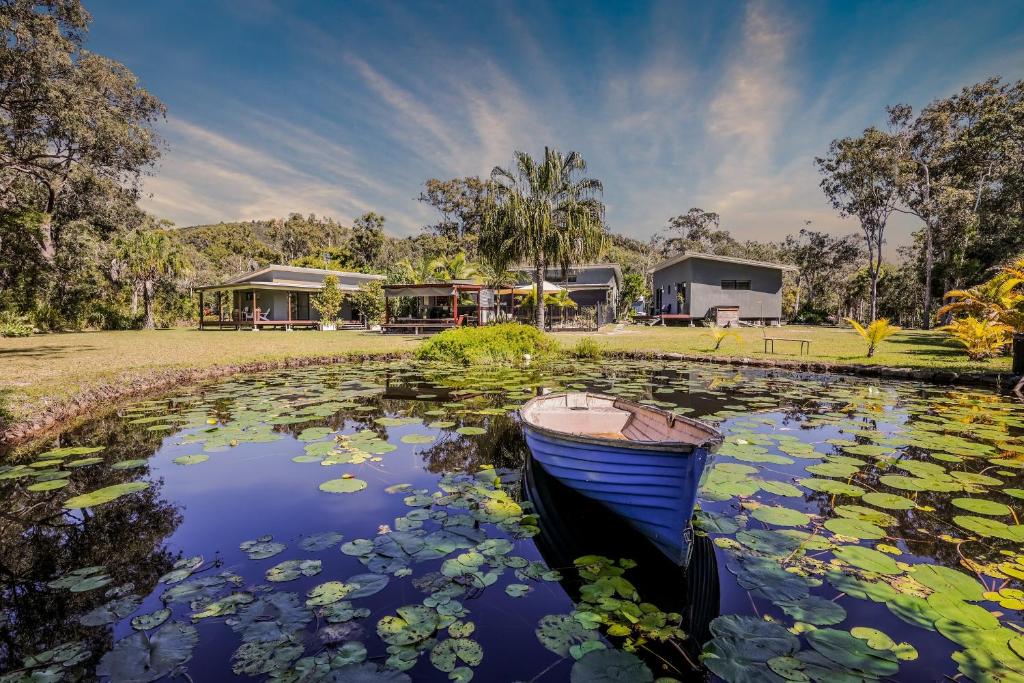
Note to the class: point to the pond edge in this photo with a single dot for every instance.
(59, 414)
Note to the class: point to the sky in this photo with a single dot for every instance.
(338, 108)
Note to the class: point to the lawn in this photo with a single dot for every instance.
(47, 370)
(908, 348)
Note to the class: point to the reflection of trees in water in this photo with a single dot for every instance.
(40, 541)
(502, 446)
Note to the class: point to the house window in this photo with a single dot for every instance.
(736, 284)
(300, 306)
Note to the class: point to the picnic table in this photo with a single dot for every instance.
(769, 343)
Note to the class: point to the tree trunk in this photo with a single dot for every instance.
(147, 301)
(929, 262)
(538, 283)
(796, 308)
(135, 300)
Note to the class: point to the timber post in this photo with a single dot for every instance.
(1018, 353)
(202, 311)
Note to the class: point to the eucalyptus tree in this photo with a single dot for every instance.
(860, 177)
(150, 258)
(542, 212)
(65, 113)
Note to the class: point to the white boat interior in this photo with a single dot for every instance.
(608, 417)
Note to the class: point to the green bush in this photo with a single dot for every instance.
(504, 344)
(13, 325)
(587, 348)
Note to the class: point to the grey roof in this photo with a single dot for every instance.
(254, 275)
(679, 258)
(586, 274)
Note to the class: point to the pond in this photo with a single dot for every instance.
(384, 522)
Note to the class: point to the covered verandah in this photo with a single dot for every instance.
(435, 307)
(245, 306)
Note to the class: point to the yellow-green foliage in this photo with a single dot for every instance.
(587, 348)
(982, 338)
(875, 333)
(328, 302)
(720, 334)
(504, 344)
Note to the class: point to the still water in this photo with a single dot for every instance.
(384, 522)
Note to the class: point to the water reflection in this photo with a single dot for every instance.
(572, 526)
(265, 436)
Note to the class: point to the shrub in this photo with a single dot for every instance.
(720, 334)
(587, 348)
(875, 333)
(982, 338)
(503, 344)
(329, 300)
(13, 325)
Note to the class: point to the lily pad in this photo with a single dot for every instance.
(982, 506)
(290, 570)
(191, 459)
(321, 541)
(343, 485)
(868, 559)
(140, 658)
(447, 654)
(105, 495)
(610, 666)
(145, 622)
(780, 516)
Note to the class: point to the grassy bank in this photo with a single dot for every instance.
(907, 349)
(41, 373)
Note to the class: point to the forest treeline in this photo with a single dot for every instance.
(78, 134)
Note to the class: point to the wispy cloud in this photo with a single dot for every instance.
(342, 108)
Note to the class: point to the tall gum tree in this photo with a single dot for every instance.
(542, 212)
(65, 112)
(860, 177)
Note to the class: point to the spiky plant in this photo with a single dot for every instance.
(720, 334)
(875, 333)
(982, 338)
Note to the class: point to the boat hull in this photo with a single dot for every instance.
(654, 491)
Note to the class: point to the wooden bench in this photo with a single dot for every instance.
(805, 344)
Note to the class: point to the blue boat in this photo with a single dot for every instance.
(642, 463)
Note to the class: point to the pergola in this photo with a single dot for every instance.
(447, 290)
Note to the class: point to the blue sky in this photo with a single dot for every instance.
(337, 108)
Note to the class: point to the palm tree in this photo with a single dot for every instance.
(542, 213)
(454, 268)
(416, 273)
(150, 257)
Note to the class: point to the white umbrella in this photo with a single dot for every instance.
(549, 287)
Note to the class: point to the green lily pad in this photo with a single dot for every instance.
(327, 593)
(129, 464)
(140, 658)
(105, 495)
(471, 431)
(986, 527)
(343, 485)
(417, 438)
(981, 506)
(852, 653)
(780, 516)
(854, 528)
(51, 485)
(290, 570)
(868, 559)
(191, 459)
(322, 541)
(889, 501)
(945, 580)
(413, 623)
(262, 548)
(814, 610)
(145, 622)
(447, 654)
(365, 585)
(559, 632)
(610, 666)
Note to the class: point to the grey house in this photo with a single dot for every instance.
(275, 296)
(692, 286)
(588, 285)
